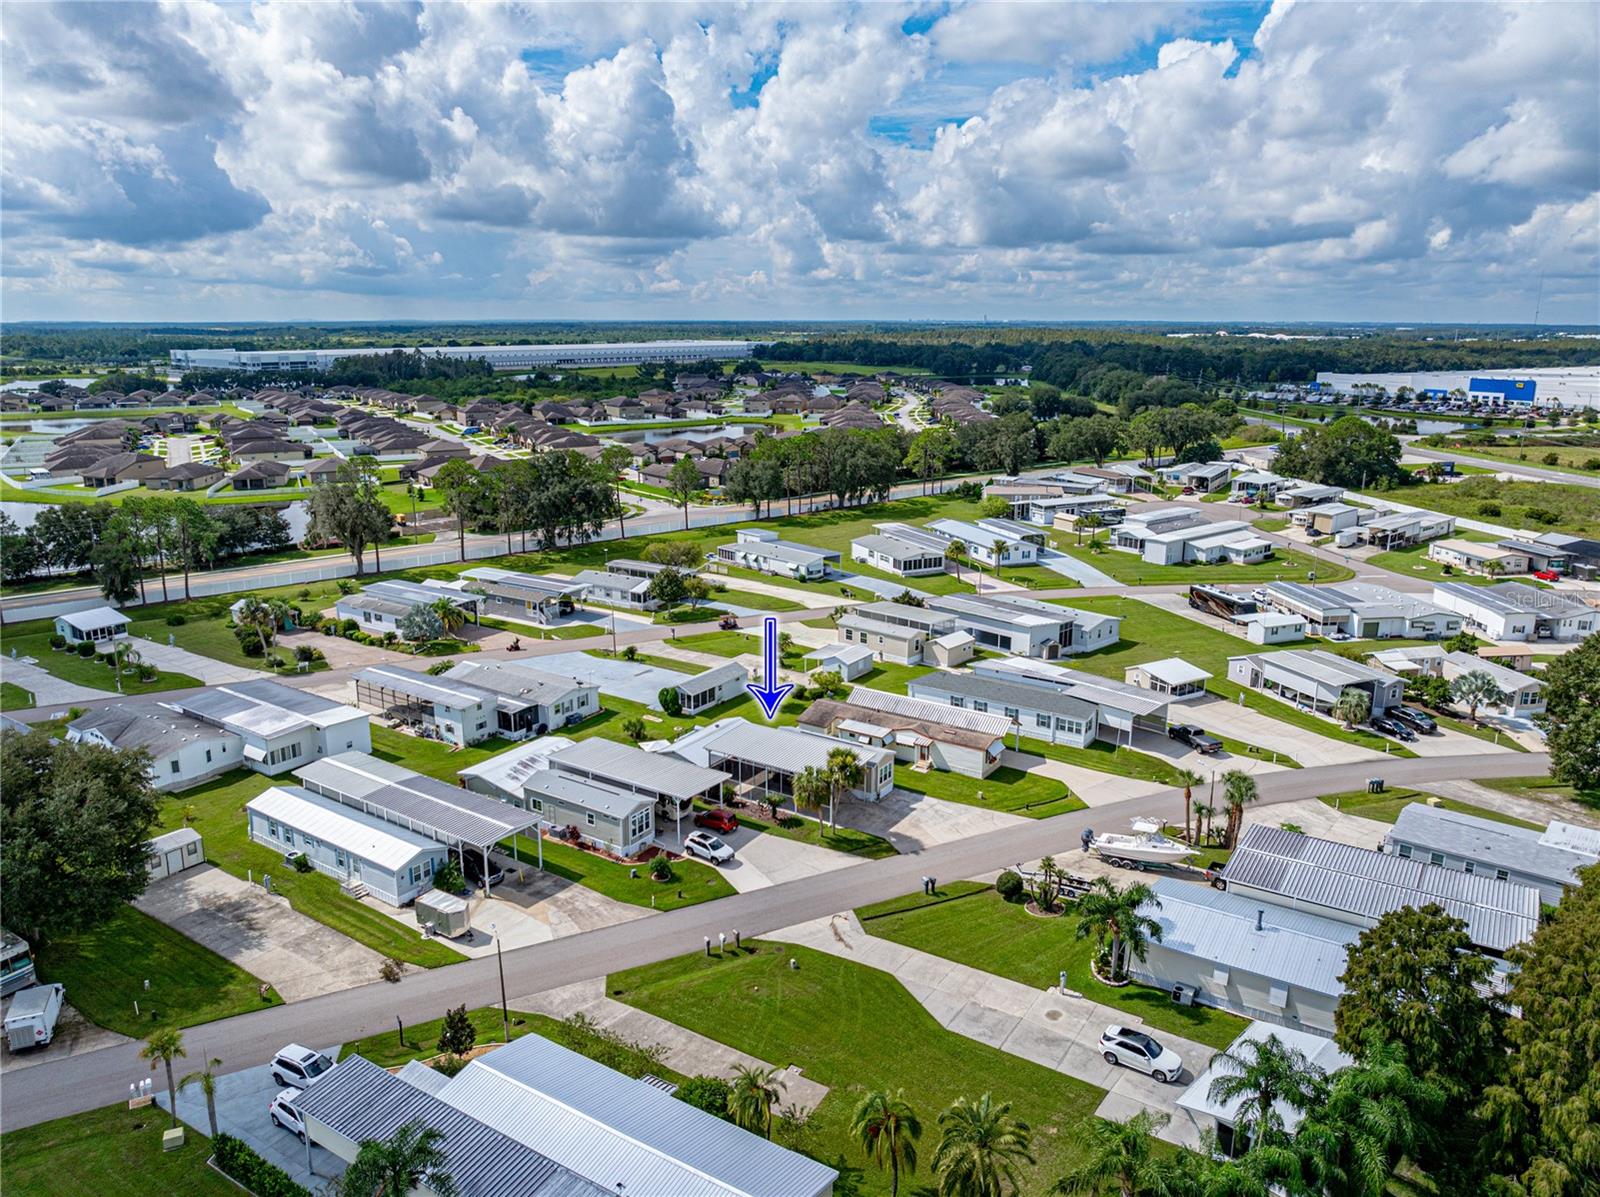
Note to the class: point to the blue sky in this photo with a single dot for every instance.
(894, 160)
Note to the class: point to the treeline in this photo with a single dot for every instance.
(119, 542)
(382, 369)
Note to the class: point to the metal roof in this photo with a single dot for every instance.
(1319, 666)
(327, 819)
(610, 581)
(848, 653)
(903, 614)
(586, 794)
(1319, 1050)
(1321, 873)
(1175, 671)
(622, 1134)
(143, 725)
(508, 770)
(513, 679)
(634, 768)
(1302, 949)
(919, 538)
(1488, 842)
(716, 676)
(361, 1101)
(419, 685)
(783, 749)
(928, 711)
(94, 618)
(993, 608)
(998, 692)
(1087, 687)
(443, 812)
(503, 581)
(426, 592)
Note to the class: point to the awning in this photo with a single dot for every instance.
(252, 753)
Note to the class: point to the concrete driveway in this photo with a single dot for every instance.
(626, 679)
(46, 688)
(260, 932)
(242, 1101)
(912, 822)
(1252, 726)
(762, 860)
(1079, 570)
(1449, 742)
(74, 1035)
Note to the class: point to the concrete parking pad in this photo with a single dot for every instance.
(260, 932)
(46, 688)
(912, 822)
(172, 658)
(1255, 727)
(242, 1101)
(762, 860)
(74, 1035)
(1092, 786)
(626, 679)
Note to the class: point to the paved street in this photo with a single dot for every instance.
(96, 1078)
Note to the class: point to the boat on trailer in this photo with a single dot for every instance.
(1148, 845)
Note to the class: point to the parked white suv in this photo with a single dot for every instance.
(299, 1066)
(1135, 1049)
(707, 846)
(283, 1113)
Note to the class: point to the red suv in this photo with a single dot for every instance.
(718, 820)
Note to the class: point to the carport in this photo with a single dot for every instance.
(451, 815)
(242, 1101)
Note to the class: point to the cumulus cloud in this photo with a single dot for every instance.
(788, 158)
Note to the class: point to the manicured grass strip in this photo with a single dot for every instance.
(1542, 789)
(641, 658)
(892, 677)
(111, 1150)
(15, 698)
(1477, 731)
(762, 601)
(1284, 565)
(1386, 807)
(693, 882)
(33, 640)
(1005, 789)
(432, 757)
(853, 1029)
(1123, 761)
(805, 830)
(217, 813)
(998, 937)
(104, 971)
(951, 891)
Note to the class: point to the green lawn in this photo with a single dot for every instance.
(693, 882)
(32, 639)
(1285, 565)
(986, 932)
(1386, 807)
(1576, 508)
(105, 970)
(15, 698)
(1005, 789)
(806, 830)
(855, 1029)
(762, 601)
(1543, 789)
(643, 658)
(893, 677)
(1123, 761)
(218, 815)
(1285, 713)
(1415, 562)
(114, 1149)
(733, 644)
(433, 757)
(1569, 458)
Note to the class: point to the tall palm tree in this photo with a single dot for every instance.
(1351, 707)
(1238, 791)
(257, 616)
(1375, 1113)
(998, 548)
(1202, 814)
(812, 787)
(844, 774)
(450, 615)
(207, 1079)
(1106, 912)
(753, 1093)
(411, 1158)
(1121, 1159)
(980, 1149)
(1260, 1074)
(1476, 688)
(165, 1045)
(955, 553)
(1188, 779)
(888, 1129)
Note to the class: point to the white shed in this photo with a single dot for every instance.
(174, 852)
(850, 661)
(96, 624)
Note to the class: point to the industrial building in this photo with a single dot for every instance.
(500, 357)
(1564, 386)
(1547, 860)
(1516, 611)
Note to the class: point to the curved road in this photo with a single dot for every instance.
(93, 1079)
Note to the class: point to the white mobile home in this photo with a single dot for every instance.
(183, 751)
(1517, 611)
(715, 686)
(894, 631)
(617, 590)
(279, 726)
(896, 554)
(920, 732)
(1315, 679)
(761, 550)
(1475, 558)
(1547, 860)
(849, 661)
(99, 625)
(1026, 627)
(459, 713)
(764, 759)
(1172, 676)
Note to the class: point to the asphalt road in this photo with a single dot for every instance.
(93, 1079)
(1520, 468)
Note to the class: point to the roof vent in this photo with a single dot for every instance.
(1260, 915)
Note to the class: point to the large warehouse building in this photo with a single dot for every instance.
(1568, 386)
(501, 357)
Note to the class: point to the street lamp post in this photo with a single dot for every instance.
(505, 1014)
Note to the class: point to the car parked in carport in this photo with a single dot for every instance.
(284, 1115)
(724, 821)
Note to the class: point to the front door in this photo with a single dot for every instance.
(174, 861)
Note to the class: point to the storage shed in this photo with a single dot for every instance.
(174, 852)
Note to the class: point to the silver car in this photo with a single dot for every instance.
(1135, 1049)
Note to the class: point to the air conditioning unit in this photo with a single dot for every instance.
(1184, 995)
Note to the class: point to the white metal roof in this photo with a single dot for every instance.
(625, 765)
(1490, 842)
(1175, 671)
(622, 1134)
(361, 835)
(508, 770)
(848, 653)
(786, 749)
(929, 711)
(1323, 1052)
(94, 618)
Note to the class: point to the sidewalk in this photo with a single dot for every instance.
(1058, 1031)
(688, 1052)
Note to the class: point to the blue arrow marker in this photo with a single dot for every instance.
(768, 694)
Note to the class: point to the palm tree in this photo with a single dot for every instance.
(998, 548)
(955, 553)
(1476, 688)
(1121, 1160)
(165, 1045)
(409, 1159)
(1188, 779)
(450, 615)
(1375, 1113)
(256, 615)
(207, 1079)
(812, 787)
(888, 1129)
(1203, 812)
(1238, 791)
(980, 1147)
(844, 774)
(1259, 1075)
(1106, 912)
(1044, 891)
(753, 1093)
(1352, 707)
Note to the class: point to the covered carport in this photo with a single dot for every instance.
(450, 815)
